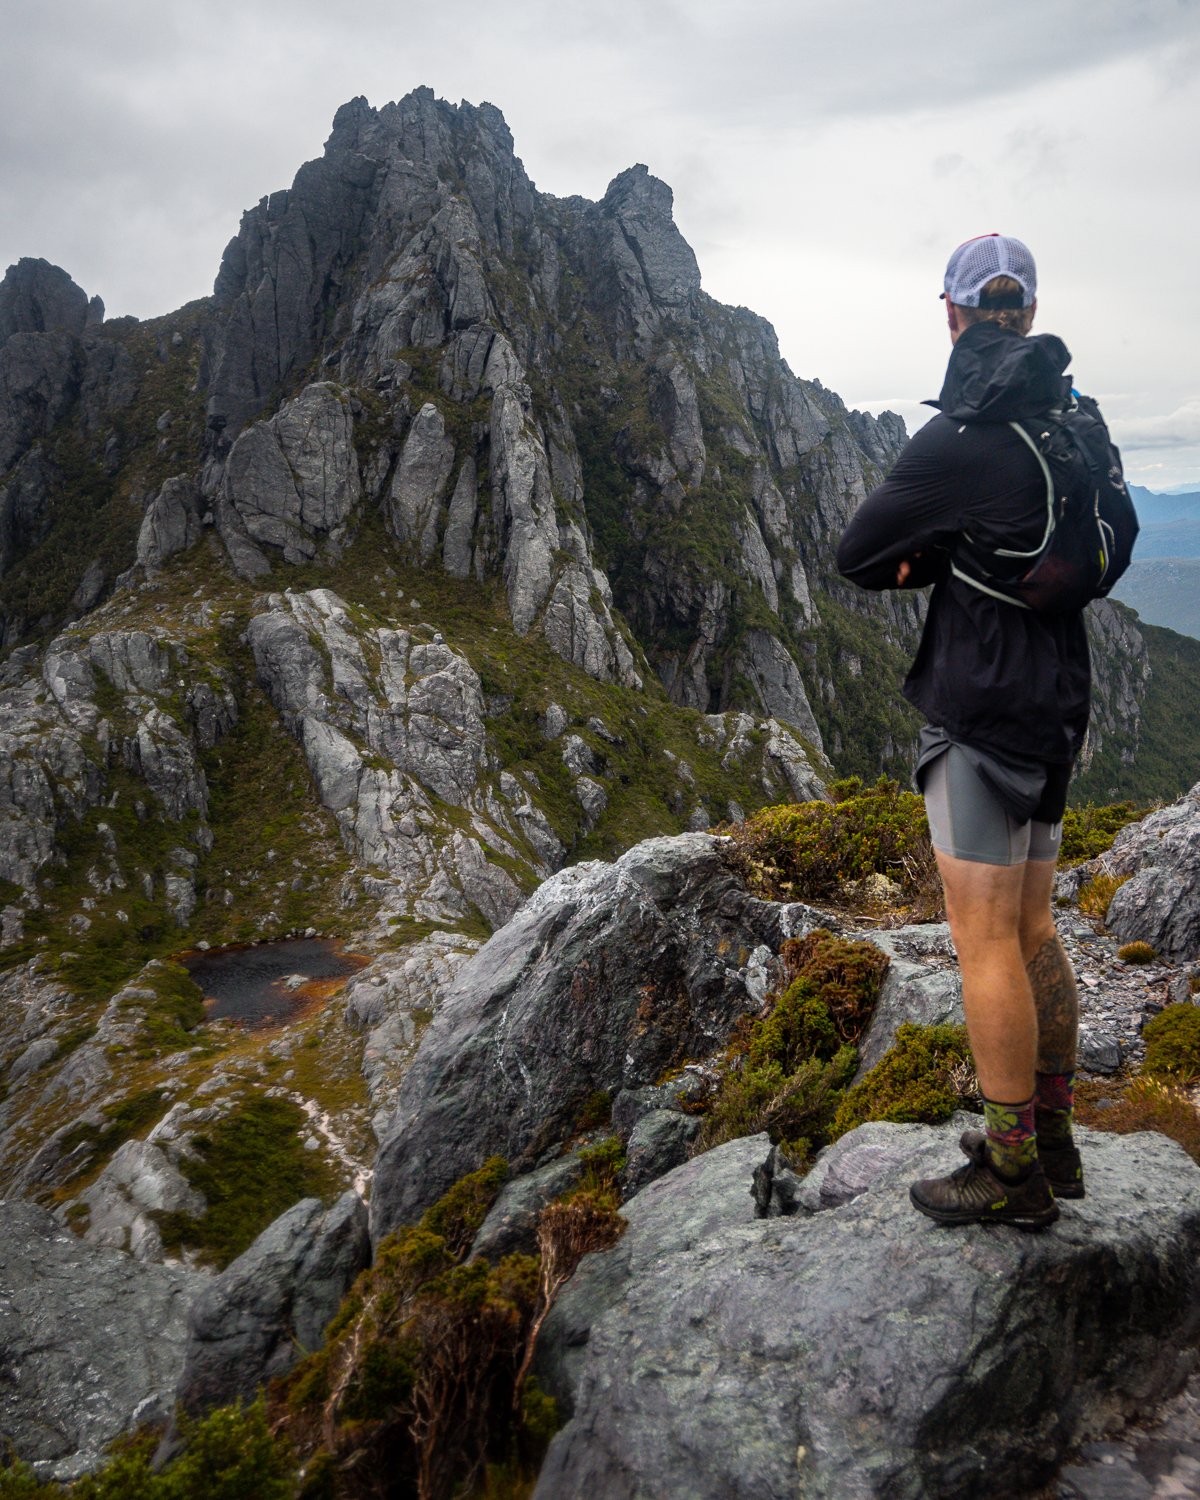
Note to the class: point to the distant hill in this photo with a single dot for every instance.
(1155, 509)
(1170, 528)
(1165, 590)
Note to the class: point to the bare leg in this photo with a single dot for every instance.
(1051, 976)
(984, 904)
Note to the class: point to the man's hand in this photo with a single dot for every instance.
(903, 571)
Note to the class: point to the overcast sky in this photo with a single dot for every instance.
(825, 157)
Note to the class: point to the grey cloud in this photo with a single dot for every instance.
(1177, 429)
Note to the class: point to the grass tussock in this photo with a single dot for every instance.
(1145, 1103)
(1096, 896)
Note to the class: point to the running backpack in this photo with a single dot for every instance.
(1090, 520)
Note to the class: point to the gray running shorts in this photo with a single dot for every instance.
(967, 821)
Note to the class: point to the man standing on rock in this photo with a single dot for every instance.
(1005, 690)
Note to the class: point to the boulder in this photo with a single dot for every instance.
(913, 990)
(138, 1182)
(172, 522)
(271, 1305)
(91, 1341)
(511, 1225)
(1160, 903)
(292, 482)
(864, 1352)
(609, 975)
(660, 1140)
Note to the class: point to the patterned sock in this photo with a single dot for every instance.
(1054, 1108)
(1011, 1138)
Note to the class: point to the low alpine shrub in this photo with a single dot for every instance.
(1089, 831)
(1136, 953)
(811, 850)
(926, 1076)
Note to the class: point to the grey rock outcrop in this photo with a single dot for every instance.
(139, 1182)
(58, 746)
(292, 483)
(37, 297)
(1160, 901)
(389, 720)
(914, 991)
(862, 1351)
(172, 522)
(607, 976)
(270, 1306)
(91, 1341)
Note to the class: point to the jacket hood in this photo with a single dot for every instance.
(996, 375)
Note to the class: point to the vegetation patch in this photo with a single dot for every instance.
(1137, 953)
(1089, 831)
(423, 1377)
(925, 1077)
(811, 850)
(1146, 1103)
(276, 851)
(251, 1166)
(230, 1455)
(1096, 896)
(173, 1014)
(131, 1117)
(785, 1070)
(1173, 1044)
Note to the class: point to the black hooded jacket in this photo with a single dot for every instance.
(987, 672)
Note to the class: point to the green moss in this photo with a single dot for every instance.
(795, 1109)
(251, 1166)
(457, 1215)
(914, 1081)
(1173, 1044)
(787, 1068)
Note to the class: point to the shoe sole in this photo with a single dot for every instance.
(1030, 1221)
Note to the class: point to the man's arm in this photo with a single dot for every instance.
(900, 535)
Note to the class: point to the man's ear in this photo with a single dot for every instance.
(953, 320)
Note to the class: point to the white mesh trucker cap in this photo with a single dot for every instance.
(976, 261)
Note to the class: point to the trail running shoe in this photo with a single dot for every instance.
(976, 1194)
(1062, 1165)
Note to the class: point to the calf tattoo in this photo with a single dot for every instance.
(1052, 980)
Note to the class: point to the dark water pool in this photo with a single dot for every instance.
(251, 985)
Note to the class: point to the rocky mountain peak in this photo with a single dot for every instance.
(37, 297)
(642, 207)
